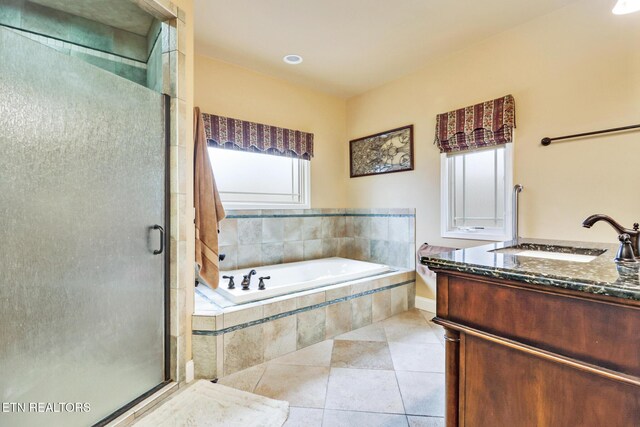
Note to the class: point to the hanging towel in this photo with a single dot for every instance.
(209, 210)
(426, 250)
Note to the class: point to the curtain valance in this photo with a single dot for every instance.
(482, 125)
(249, 136)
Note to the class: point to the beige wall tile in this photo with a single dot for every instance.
(338, 320)
(361, 311)
(204, 356)
(338, 292)
(293, 251)
(399, 300)
(243, 315)
(311, 299)
(280, 337)
(311, 327)
(243, 348)
(203, 323)
(279, 307)
(381, 305)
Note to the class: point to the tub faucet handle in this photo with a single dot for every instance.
(261, 285)
(230, 285)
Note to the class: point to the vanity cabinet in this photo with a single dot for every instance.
(520, 354)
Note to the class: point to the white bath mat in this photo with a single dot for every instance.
(204, 404)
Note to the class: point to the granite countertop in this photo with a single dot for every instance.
(601, 276)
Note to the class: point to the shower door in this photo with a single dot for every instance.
(82, 170)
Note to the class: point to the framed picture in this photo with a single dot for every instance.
(384, 152)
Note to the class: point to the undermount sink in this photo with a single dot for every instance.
(560, 253)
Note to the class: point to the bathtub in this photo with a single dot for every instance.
(296, 277)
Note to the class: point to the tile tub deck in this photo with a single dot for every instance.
(228, 340)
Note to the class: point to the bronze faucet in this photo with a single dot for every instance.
(246, 281)
(634, 235)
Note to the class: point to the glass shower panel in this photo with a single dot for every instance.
(82, 167)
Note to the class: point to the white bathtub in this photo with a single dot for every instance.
(296, 277)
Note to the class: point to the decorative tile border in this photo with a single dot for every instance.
(266, 301)
(251, 238)
(227, 342)
(298, 310)
(312, 215)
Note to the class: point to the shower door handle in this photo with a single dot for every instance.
(159, 251)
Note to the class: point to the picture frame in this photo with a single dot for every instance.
(384, 152)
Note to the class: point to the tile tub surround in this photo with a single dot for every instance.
(233, 339)
(371, 376)
(262, 237)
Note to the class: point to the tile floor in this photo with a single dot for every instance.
(390, 373)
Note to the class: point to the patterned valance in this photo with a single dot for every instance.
(482, 125)
(249, 136)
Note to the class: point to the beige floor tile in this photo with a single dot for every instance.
(361, 354)
(304, 417)
(422, 393)
(410, 333)
(427, 315)
(438, 331)
(373, 332)
(335, 418)
(417, 358)
(245, 380)
(410, 317)
(425, 421)
(315, 355)
(304, 386)
(366, 390)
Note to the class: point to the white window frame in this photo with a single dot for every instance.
(497, 235)
(305, 194)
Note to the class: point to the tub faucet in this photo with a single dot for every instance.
(246, 281)
(634, 235)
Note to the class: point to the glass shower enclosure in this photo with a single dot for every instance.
(82, 206)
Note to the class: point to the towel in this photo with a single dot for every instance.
(209, 209)
(426, 250)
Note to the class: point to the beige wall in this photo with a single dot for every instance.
(575, 70)
(232, 91)
(186, 6)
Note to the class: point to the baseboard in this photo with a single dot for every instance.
(426, 304)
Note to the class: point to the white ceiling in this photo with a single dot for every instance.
(350, 46)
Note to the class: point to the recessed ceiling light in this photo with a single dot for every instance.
(292, 59)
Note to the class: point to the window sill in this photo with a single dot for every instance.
(476, 235)
(255, 206)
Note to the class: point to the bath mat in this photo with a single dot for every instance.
(204, 404)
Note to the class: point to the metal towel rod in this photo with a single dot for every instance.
(546, 141)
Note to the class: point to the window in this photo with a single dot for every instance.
(260, 181)
(476, 193)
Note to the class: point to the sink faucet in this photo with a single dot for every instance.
(634, 234)
(246, 281)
